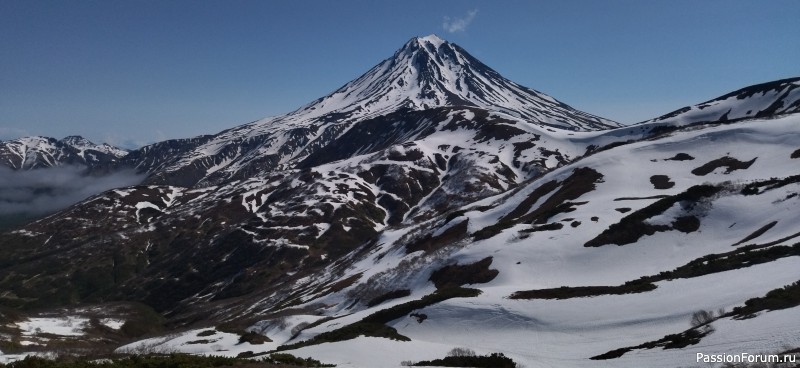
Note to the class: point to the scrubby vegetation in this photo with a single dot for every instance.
(675, 341)
(167, 361)
(757, 233)
(375, 324)
(712, 263)
(456, 275)
(206, 333)
(740, 258)
(640, 198)
(731, 164)
(394, 294)
(681, 157)
(565, 292)
(145, 320)
(661, 182)
(253, 338)
(583, 180)
(291, 360)
(762, 186)
(431, 243)
(686, 224)
(464, 357)
(632, 227)
(548, 227)
(782, 298)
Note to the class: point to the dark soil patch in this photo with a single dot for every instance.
(676, 341)
(713, 263)
(526, 204)
(499, 132)
(253, 338)
(661, 182)
(566, 292)
(431, 243)
(458, 275)
(795, 154)
(776, 299)
(769, 184)
(343, 284)
(757, 233)
(681, 157)
(394, 294)
(206, 333)
(623, 209)
(583, 180)
(575, 224)
(375, 324)
(421, 317)
(641, 198)
(731, 164)
(547, 227)
(632, 227)
(686, 224)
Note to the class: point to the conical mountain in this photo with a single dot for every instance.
(429, 72)
(426, 73)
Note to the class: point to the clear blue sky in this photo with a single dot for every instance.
(131, 72)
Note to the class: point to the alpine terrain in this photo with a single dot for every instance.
(428, 205)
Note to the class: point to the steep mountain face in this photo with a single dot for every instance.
(313, 185)
(425, 73)
(249, 233)
(41, 152)
(387, 223)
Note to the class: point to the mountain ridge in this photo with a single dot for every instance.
(416, 231)
(407, 81)
(42, 152)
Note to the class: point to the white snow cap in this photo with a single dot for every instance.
(431, 38)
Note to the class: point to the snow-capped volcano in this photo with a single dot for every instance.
(429, 72)
(427, 206)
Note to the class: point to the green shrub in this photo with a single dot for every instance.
(452, 276)
(632, 227)
(375, 324)
(494, 360)
(394, 294)
(289, 359)
(206, 333)
(253, 338)
(782, 298)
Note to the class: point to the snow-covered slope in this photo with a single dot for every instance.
(426, 73)
(756, 101)
(407, 214)
(664, 213)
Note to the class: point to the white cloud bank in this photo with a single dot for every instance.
(41, 191)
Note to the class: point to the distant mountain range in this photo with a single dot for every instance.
(42, 152)
(427, 205)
